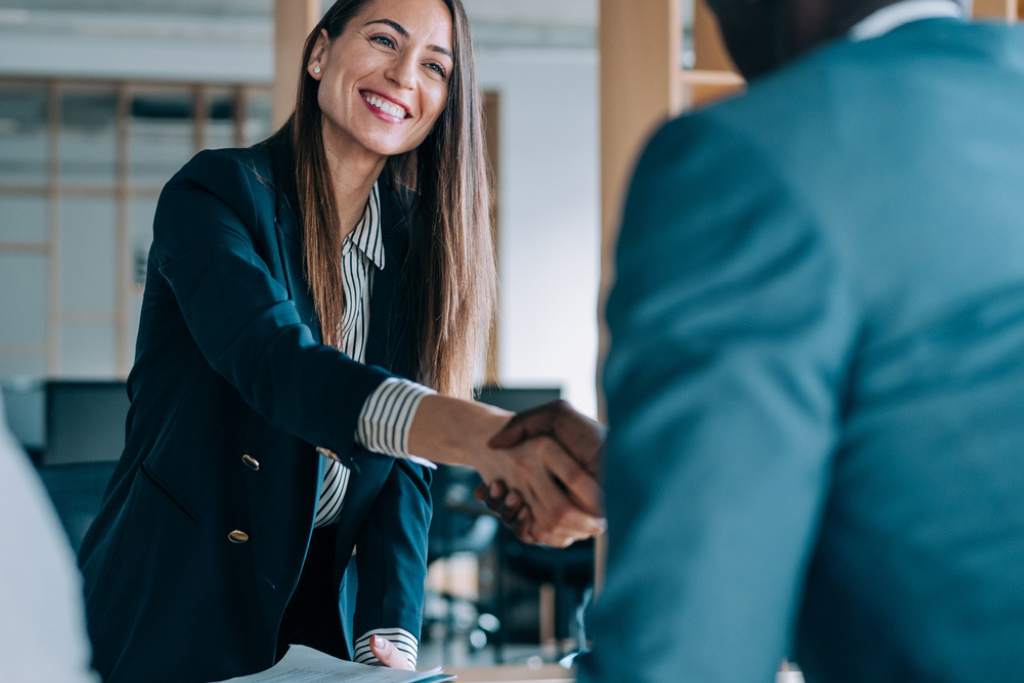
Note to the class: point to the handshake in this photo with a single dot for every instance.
(546, 487)
(540, 467)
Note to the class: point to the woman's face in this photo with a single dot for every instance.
(384, 80)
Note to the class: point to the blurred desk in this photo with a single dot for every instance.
(548, 673)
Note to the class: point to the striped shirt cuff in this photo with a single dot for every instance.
(404, 642)
(386, 418)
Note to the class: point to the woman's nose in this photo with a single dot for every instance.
(402, 71)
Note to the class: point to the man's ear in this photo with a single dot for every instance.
(318, 56)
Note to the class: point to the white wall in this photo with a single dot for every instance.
(549, 220)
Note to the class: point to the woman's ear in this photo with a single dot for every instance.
(318, 57)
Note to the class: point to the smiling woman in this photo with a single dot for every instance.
(315, 308)
(416, 60)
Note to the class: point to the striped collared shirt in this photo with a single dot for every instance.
(387, 414)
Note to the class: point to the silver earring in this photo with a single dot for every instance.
(316, 69)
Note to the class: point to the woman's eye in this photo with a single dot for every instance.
(383, 40)
(437, 68)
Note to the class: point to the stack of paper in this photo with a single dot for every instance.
(306, 665)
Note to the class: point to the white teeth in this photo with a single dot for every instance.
(392, 110)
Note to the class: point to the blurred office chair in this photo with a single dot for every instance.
(24, 401)
(85, 421)
(85, 433)
(461, 524)
(569, 571)
(76, 490)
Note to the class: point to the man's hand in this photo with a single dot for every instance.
(581, 437)
(578, 435)
(388, 654)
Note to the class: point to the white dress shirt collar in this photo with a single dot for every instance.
(367, 237)
(893, 16)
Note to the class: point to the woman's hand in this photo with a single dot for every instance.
(384, 650)
(509, 507)
(564, 500)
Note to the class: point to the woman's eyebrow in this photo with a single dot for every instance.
(405, 34)
(393, 24)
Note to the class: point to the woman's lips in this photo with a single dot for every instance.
(384, 108)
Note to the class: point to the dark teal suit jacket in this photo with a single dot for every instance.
(229, 363)
(816, 378)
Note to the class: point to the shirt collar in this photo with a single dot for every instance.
(893, 16)
(367, 237)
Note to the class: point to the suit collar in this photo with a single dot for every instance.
(891, 17)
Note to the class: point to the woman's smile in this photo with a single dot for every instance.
(385, 107)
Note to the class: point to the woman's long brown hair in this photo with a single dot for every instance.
(452, 268)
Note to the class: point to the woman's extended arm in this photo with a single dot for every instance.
(564, 499)
(246, 325)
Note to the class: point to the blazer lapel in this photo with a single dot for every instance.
(388, 340)
(289, 235)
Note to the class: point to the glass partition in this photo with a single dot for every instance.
(258, 119)
(24, 117)
(220, 126)
(161, 135)
(88, 245)
(22, 296)
(88, 137)
(23, 218)
(81, 168)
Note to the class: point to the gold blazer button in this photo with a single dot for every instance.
(327, 452)
(237, 536)
(251, 462)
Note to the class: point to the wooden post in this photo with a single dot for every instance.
(53, 298)
(241, 99)
(124, 244)
(293, 20)
(492, 141)
(640, 42)
(996, 9)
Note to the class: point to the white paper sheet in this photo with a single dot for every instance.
(306, 665)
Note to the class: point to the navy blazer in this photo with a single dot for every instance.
(229, 363)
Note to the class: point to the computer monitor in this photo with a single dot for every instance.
(518, 399)
(85, 421)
